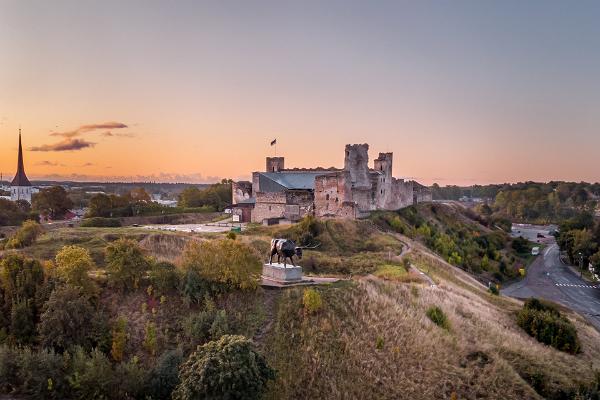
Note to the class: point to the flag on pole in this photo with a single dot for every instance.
(273, 142)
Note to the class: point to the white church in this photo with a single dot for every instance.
(20, 187)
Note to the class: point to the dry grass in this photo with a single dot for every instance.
(485, 355)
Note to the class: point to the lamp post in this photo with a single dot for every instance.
(580, 254)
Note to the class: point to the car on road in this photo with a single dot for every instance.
(535, 251)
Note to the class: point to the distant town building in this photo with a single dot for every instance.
(20, 187)
(282, 195)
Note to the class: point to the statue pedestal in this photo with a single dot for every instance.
(277, 272)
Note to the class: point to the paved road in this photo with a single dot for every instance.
(550, 279)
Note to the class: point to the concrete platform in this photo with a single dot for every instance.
(283, 274)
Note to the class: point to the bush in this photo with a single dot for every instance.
(225, 369)
(164, 277)
(91, 376)
(544, 322)
(41, 374)
(25, 236)
(231, 235)
(119, 339)
(125, 264)
(165, 374)
(73, 264)
(101, 222)
(311, 299)
(438, 317)
(67, 320)
(227, 263)
(494, 289)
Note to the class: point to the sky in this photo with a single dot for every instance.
(462, 92)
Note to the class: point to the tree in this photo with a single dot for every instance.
(73, 264)
(100, 206)
(22, 278)
(119, 339)
(225, 369)
(125, 264)
(226, 263)
(164, 276)
(11, 213)
(164, 377)
(138, 194)
(25, 236)
(67, 320)
(53, 202)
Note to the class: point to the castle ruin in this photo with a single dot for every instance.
(286, 195)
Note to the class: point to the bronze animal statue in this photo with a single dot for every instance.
(286, 248)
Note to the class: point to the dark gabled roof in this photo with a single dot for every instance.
(20, 178)
(294, 180)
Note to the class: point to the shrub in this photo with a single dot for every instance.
(41, 374)
(494, 289)
(125, 264)
(227, 263)
(164, 276)
(225, 369)
(231, 235)
(165, 374)
(119, 339)
(438, 317)
(91, 377)
(101, 222)
(67, 320)
(150, 338)
(544, 322)
(25, 236)
(73, 264)
(219, 326)
(311, 299)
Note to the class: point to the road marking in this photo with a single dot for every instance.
(576, 285)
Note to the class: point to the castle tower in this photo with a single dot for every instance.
(356, 161)
(275, 164)
(20, 187)
(383, 165)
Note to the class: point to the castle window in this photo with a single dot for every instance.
(381, 167)
(327, 197)
(381, 191)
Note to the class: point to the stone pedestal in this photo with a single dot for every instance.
(278, 273)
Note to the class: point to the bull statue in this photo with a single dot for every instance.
(285, 248)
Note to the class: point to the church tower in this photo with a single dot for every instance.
(20, 187)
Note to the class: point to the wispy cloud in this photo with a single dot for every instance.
(90, 128)
(162, 177)
(47, 163)
(118, 134)
(69, 144)
(87, 164)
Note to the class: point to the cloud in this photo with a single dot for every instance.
(89, 128)
(118, 134)
(49, 164)
(69, 144)
(87, 164)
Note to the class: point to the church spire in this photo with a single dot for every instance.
(20, 177)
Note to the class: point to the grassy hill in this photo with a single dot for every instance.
(370, 336)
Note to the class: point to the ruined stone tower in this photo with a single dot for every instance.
(275, 164)
(356, 162)
(383, 165)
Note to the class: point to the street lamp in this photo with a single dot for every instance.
(580, 254)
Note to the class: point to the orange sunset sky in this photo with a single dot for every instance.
(462, 92)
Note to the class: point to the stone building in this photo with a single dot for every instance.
(282, 195)
(20, 187)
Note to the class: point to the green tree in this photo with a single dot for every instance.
(119, 339)
(67, 320)
(100, 206)
(225, 369)
(125, 264)
(53, 202)
(228, 263)
(164, 276)
(73, 265)
(25, 236)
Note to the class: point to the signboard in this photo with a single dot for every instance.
(236, 218)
